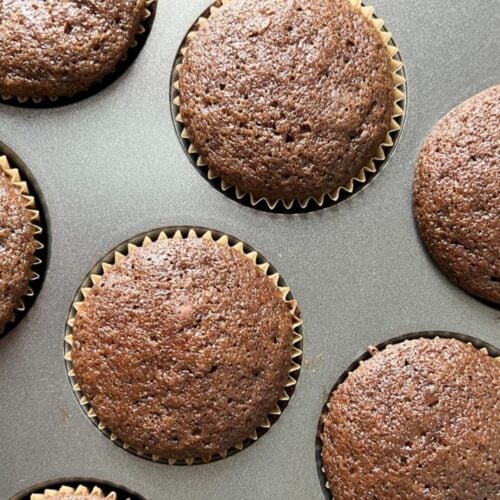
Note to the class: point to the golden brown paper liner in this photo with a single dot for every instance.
(222, 239)
(361, 177)
(39, 100)
(372, 351)
(78, 491)
(34, 215)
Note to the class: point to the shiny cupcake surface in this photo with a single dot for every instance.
(285, 99)
(183, 348)
(53, 48)
(419, 418)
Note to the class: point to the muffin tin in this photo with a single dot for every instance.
(110, 167)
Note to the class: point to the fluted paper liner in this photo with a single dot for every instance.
(263, 265)
(38, 100)
(372, 351)
(361, 177)
(78, 491)
(34, 215)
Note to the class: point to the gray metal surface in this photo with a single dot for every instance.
(111, 166)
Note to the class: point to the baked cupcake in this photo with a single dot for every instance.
(184, 348)
(55, 49)
(17, 243)
(287, 100)
(419, 418)
(456, 192)
(78, 493)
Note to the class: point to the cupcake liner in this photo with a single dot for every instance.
(148, 12)
(480, 345)
(382, 154)
(78, 491)
(145, 240)
(78, 487)
(35, 220)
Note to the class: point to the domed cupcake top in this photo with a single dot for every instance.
(286, 100)
(52, 48)
(183, 348)
(418, 418)
(17, 246)
(457, 186)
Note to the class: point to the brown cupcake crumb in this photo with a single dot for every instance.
(417, 420)
(457, 186)
(53, 48)
(183, 348)
(17, 248)
(286, 99)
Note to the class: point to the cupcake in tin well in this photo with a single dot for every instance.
(51, 48)
(184, 347)
(456, 192)
(419, 419)
(287, 100)
(18, 243)
(78, 493)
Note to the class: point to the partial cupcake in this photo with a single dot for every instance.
(456, 193)
(419, 418)
(184, 347)
(288, 100)
(57, 49)
(17, 243)
(70, 493)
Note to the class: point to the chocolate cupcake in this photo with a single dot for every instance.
(70, 493)
(419, 418)
(289, 100)
(184, 347)
(456, 192)
(18, 243)
(57, 49)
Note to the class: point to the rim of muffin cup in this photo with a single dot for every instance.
(21, 179)
(355, 184)
(189, 232)
(479, 344)
(126, 60)
(79, 485)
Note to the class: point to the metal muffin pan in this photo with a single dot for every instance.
(110, 167)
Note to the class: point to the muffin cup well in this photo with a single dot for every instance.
(480, 345)
(139, 38)
(78, 487)
(222, 239)
(78, 491)
(365, 173)
(35, 220)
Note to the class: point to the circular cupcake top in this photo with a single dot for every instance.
(457, 186)
(52, 48)
(183, 348)
(286, 99)
(17, 247)
(418, 418)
